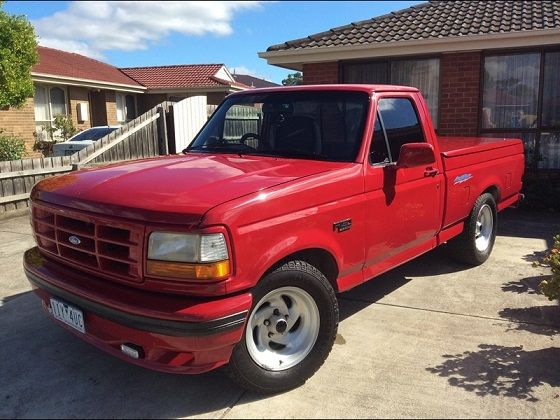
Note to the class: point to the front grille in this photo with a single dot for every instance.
(112, 249)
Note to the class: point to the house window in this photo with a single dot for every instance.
(369, 72)
(421, 73)
(126, 107)
(511, 87)
(49, 101)
(521, 98)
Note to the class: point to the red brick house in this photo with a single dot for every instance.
(485, 67)
(95, 93)
(91, 92)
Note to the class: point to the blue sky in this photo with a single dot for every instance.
(158, 33)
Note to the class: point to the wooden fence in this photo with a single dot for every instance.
(145, 136)
(239, 120)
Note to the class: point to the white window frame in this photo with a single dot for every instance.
(41, 134)
(122, 98)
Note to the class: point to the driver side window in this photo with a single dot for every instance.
(396, 124)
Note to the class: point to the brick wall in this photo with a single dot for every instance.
(78, 95)
(459, 96)
(111, 106)
(21, 122)
(320, 73)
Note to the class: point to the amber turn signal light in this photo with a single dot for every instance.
(208, 271)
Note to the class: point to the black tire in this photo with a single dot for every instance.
(299, 274)
(463, 248)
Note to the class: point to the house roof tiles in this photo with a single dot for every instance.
(437, 19)
(66, 64)
(178, 76)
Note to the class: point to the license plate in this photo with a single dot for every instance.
(68, 314)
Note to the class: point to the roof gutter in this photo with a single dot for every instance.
(213, 89)
(295, 58)
(95, 84)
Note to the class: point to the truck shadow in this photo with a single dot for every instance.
(435, 262)
(49, 373)
(501, 371)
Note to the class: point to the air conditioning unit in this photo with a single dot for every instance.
(83, 111)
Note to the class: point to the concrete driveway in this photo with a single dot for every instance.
(428, 339)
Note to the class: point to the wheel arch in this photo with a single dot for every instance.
(320, 258)
(494, 191)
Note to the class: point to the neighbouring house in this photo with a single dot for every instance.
(253, 82)
(94, 93)
(90, 91)
(486, 68)
(182, 81)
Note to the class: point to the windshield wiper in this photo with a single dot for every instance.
(301, 155)
(230, 147)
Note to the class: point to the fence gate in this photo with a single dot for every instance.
(189, 116)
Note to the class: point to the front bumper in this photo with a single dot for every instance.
(175, 333)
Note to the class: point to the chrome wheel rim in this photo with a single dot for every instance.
(484, 228)
(282, 328)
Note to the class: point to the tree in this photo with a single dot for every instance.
(18, 54)
(293, 79)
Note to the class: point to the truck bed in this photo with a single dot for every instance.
(457, 146)
(472, 165)
(458, 152)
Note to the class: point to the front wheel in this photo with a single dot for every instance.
(474, 245)
(289, 332)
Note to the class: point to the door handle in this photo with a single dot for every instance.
(430, 172)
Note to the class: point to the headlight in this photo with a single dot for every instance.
(203, 256)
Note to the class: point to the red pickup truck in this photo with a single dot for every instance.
(232, 253)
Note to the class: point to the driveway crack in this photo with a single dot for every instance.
(225, 413)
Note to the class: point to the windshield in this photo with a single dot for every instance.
(93, 133)
(309, 125)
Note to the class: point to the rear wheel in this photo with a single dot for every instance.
(289, 332)
(474, 245)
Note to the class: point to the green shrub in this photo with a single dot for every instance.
(551, 287)
(62, 127)
(11, 147)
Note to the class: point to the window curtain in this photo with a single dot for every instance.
(58, 103)
(365, 73)
(120, 108)
(422, 74)
(511, 87)
(41, 104)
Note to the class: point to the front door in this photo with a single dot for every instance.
(98, 108)
(403, 205)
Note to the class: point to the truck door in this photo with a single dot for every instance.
(403, 205)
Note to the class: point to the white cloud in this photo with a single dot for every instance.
(90, 28)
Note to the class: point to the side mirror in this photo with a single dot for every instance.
(416, 154)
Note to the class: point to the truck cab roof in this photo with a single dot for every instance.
(367, 88)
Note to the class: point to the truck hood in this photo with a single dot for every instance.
(172, 189)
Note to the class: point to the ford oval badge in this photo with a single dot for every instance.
(74, 240)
